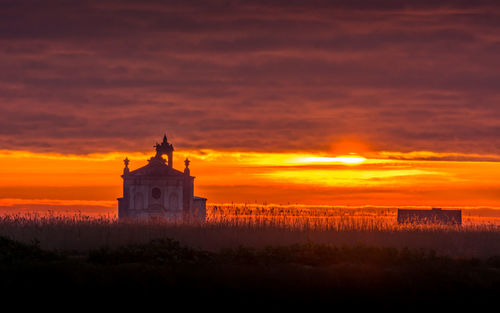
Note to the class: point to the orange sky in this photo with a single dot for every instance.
(367, 178)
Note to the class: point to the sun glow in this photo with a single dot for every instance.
(345, 159)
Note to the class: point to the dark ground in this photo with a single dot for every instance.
(274, 277)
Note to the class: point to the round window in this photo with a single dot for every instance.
(156, 193)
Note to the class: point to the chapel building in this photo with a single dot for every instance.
(159, 190)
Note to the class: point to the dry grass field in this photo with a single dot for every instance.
(262, 256)
(229, 226)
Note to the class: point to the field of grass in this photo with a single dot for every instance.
(256, 255)
(228, 226)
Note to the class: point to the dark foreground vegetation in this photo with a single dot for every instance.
(303, 274)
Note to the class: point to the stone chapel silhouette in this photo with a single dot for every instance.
(159, 190)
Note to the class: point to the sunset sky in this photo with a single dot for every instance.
(315, 102)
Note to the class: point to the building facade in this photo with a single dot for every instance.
(159, 190)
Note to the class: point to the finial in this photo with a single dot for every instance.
(165, 137)
(187, 171)
(126, 170)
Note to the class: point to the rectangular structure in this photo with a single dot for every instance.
(434, 216)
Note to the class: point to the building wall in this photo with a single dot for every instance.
(138, 196)
(176, 198)
(434, 216)
(199, 208)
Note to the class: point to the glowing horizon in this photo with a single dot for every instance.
(381, 178)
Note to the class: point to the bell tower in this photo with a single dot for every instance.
(165, 148)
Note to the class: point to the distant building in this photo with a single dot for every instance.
(159, 190)
(434, 216)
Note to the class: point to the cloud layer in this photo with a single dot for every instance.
(97, 76)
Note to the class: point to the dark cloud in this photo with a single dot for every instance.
(93, 76)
